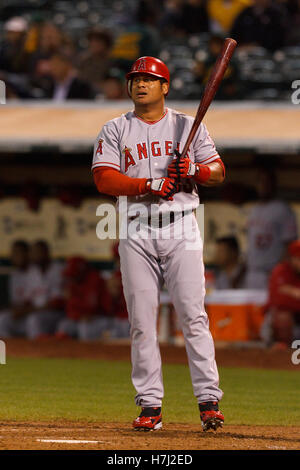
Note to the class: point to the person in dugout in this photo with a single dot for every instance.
(87, 300)
(282, 321)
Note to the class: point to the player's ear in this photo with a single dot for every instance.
(165, 88)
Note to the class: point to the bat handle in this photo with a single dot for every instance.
(178, 157)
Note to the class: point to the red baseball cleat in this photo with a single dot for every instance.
(150, 419)
(211, 416)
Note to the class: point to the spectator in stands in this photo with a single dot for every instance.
(113, 86)
(229, 88)
(44, 292)
(15, 59)
(65, 83)
(282, 321)
(194, 17)
(271, 227)
(94, 63)
(293, 30)
(169, 21)
(120, 327)
(87, 302)
(50, 40)
(12, 55)
(12, 320)
(263, 24)
(222, 13)
(139, 39)
(231, 270)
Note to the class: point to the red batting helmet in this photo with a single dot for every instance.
(148, 66)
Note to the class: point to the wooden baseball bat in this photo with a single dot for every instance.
(210, 90)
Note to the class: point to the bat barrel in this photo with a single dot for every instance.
(212, 85)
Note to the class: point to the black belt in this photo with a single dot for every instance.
(162, 219)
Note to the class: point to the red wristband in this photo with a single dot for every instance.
(202, 173)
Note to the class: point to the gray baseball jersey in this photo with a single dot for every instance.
(43, 287)
(18, 286)
(270, 226)
(143, 150)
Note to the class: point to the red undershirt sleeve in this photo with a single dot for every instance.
(114, 183)
(205, 171)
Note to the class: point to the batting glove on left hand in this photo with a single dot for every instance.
(184, 168)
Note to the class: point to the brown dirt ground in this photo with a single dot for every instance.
(116, 436)
(120, 436)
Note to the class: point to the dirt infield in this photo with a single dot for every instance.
(114, 436)
(227, 357)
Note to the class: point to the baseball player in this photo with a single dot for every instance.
(87, 302)
(36, 294)
(135, 156)
(12, 320)
(44, 292)
(271, 227)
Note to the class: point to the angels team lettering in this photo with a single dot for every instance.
(129, 160)
(157, 149)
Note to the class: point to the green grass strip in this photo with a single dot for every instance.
(95, 391)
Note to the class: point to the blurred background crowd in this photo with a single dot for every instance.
(68, 299)
(82, 49)
(72, 298)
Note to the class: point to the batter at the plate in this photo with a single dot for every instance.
(135, 156)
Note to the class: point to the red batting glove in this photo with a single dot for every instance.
(163, 187)
(183, 168)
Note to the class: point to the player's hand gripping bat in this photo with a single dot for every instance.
(210, 90)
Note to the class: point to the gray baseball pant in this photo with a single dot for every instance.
(145, 265)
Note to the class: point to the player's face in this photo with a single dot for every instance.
(223, 255)
(58, 68)
(265, 185)
(147, 90)
(39, 254)
(19, 256)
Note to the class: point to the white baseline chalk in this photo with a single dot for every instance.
(68, 441)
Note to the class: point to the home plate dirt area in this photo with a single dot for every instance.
(112, 436)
